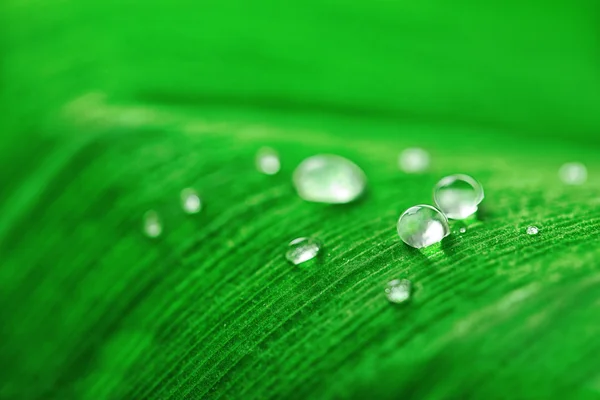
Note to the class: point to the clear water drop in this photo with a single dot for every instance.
(327, 178)
(421, 226)
(303, 249)
(533, 230)
(190, 201)
(573, 173)
(152, 224)
(267, 161)
(398, 291)
(413, 160)
(463, 230)
(458, 196)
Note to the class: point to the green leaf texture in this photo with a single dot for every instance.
(111, 108)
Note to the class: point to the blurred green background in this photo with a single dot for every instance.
(110, 108)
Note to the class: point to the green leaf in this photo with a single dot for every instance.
(110, 110)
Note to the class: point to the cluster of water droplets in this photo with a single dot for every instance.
(457, 197)
(332, 179)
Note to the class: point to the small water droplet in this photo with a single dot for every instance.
(190, 201)
(302, 249)
(421, 226)
(414, 160)
(398, 291)
(152, 224)
(533, 230)
(463, 230)
(329, 179)
(458, 196)
(267, 161)
(573, 173)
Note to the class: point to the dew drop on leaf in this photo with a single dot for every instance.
(398, 291)
(152, 224)
(329, 179)
(421, 226)
(190, 201)
(303, 249)
(533, 230)
(458, 196)
(413, 160)
(267, 161)
(573, 173)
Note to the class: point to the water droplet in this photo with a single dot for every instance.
(267, 161)
(330, 179)
(533, 230)
(190, 201)
(458, 196)
(463, 230)
(398, 291)
(421, 226)
(152, 224)
(302, 249)
(573, 173)
(413, 160)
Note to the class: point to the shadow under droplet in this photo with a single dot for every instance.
(450, 245)
(483, 213)
(425, 256)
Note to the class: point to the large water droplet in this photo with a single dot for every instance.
(267, 161)
(330, 179)
(398, 291)
(533, 230)
(458, 196)
(423, 225)
(413, 160)
(573, 173)
(302, 249)
(190, 201)
(152, 224)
